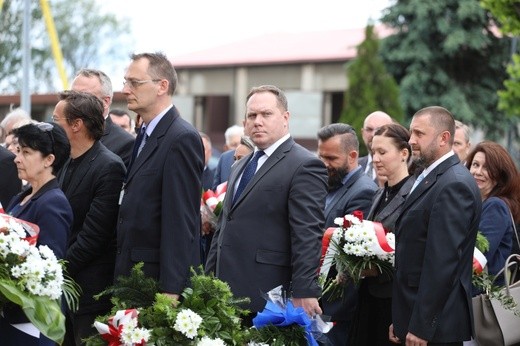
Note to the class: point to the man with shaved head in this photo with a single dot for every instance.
(372, 122)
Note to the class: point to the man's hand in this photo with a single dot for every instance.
(175, 297)
(391, 335)
(412, 340)
(310, 305)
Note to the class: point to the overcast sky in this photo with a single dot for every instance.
(178, 27)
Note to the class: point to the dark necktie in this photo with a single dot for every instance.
(248, 174)
(138, 142)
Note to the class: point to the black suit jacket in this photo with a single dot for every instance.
(272, 235)
(381, 286)
(159, 218)
(356, 194)
(435, 238)
(10, 184)
(93, 193)
(118, 141)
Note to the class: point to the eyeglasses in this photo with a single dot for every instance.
(134, 83)
(46, 127)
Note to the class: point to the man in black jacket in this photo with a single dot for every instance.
(10, 184)
(91, 179)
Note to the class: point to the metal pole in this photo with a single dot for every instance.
(26, 58)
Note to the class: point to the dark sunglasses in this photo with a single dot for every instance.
(46, 127)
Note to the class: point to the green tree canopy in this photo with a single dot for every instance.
(371, 87)
(87, 38)
(445, 53)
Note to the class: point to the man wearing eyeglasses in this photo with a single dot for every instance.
(114, 137)
(159, 216)
(91, 179)
(372, 122)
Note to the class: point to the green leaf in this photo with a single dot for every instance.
(43, 312)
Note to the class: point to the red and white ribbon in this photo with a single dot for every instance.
(479, 261)
(30, 228)
(111, 332)
(327, 252)
(381, 246)
(212, 198)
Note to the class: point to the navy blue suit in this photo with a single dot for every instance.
(159, 217)
(51, 211)
(223, 168)
(355, 194)
(435, 238)
(496, 225)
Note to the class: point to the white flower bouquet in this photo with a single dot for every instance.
(357, 248)
(32, 277)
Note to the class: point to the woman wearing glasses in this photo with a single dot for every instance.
(41, 151)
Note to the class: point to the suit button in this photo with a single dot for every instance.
(120, 220)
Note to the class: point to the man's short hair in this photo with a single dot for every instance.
(348, 137)
(88, 108)
(464, 128)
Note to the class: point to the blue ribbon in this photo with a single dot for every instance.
(275, 315)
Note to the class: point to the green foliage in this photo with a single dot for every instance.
(509, 99)
(485, 282)
(133, 291)
(292, 335)
(482, 243)
(86, 37)
(507, 13)
(444, 53)
(209, 297)
(371, 88)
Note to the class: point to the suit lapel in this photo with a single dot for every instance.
(429, 180)
(342, 191)
(397, 201)
(272, 160)
(153, 141)
(82, 169)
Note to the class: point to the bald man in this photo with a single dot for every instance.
(372, 122)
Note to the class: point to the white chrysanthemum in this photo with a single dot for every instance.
(187, 322)
(390, 238)
(357, 250)
(338, 221)
(353, 220)
(350, 235)
(131, 335)
(46, 252)
(205, 341)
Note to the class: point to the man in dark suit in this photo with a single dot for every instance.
(208, 173)
(159, 217)
(92, 180)
(10, 184)
(435, 238)
(271, 228)
(349, 190)
(372, 122)
(114, 137)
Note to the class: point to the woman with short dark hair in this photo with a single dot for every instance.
(41, 151)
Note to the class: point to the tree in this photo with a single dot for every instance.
(507, 13)
(87, 38)
(446, 53)
(371, 87)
